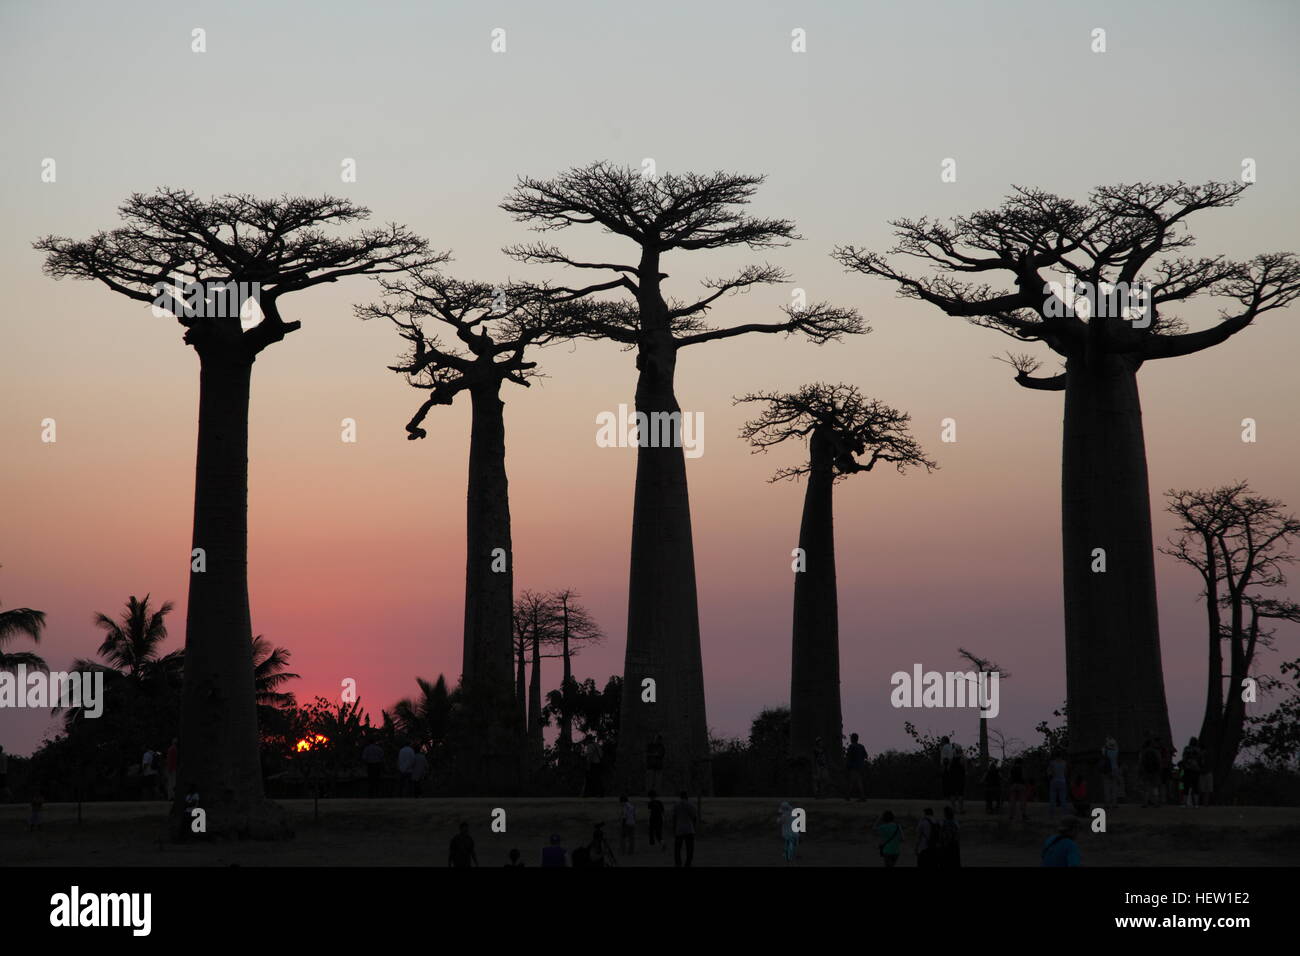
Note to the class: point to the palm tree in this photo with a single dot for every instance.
(269, 675)
(425, 718)
(131, 644)
(15, 621)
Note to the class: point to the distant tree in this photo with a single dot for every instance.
(1275, 736)
(575, 627)
(983, 665)
(655, 216)
(425, 718)
(589, 709)
(1239, 543)
(1118, 272)
(270, 674)
(494, 328)
(534, 627)
(16, 621)
(214, 265)
(846, 433)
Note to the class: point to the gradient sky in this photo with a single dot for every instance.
(357, 550)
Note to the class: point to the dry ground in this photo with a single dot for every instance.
(735, 832)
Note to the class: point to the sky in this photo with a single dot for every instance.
(356, 556)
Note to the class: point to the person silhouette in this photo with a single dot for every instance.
(683, 830)
(460, 852)
(554, 855)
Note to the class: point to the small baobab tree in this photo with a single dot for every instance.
(656, 216)
(222, 268)
(983, 667)
(847, 433)
(1239, 543)
(1096, 282)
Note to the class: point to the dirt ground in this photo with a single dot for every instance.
(735, 832)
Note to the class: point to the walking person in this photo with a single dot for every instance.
(373, 757)
(925, 839)
(656, 810)
(627, 826)
(683, 830)
(855, 768)
(891, 838)
(1110, 776)
(789, 838)
(1018, 791)
(1057, 786)
(1192, 773)
(654, 763)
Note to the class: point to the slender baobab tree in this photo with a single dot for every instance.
(576, 627)
(983, 665)
(655, 216)
(214, 265)
(1239, 543)
(846, 433)
(1095, 282)
(493, 326)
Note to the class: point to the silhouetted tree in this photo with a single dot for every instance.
(427, 717)
(270, 674)
(984, 666)
(493, 327)
(1239, 542)
(576, 627)
(16, 621)
(212, 264)
(657, 216)
(846, 433)
(1119, 273)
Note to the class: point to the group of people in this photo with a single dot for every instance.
(412, 768)
(1170, 778)
(684, 818)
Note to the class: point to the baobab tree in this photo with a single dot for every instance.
(847, 433)
(1239, 543)
(213, 265)
(575, 627)
(534, 629)
(655, 216)
(1118, 273)
(983, 665)
(494, 326)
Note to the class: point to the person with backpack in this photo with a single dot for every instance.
(925, 835)
(1061, 850)
(891, 838)
(948, 841)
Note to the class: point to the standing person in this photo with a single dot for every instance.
(595, 785)
(1168, 785)
(957, 779)
(514, 858)
(1079, 795)
(1061, 850)
(460, 852)
(1057, 787)
(405, 768)
(627, 826)
(170, 764)
(925, 839)
(38, 802)
(855, 767)
(655, 751)
(1205, 781)
(554, 855)
(1110, 775)
(1017, 792)
(1149, 768)
(373, 757)
(656, 808)
(947, 841)
(683, 829)
(1192, 773)
(891, 838)
(945, 760)
(598, 849)
(148, 775)
(420, 770)
(821, 769)
(993, 788)
(790, 839)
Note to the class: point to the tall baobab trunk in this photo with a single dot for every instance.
(489, 562)
(489, 595)
(566, 722)
(1114, 681)
(218, 744)
(815, 658)
(663, 626)
(535, 694)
